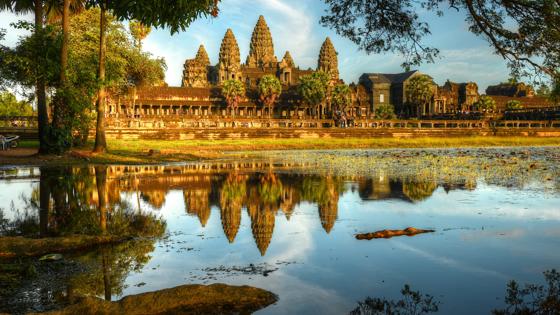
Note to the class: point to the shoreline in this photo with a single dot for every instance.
(151, 152)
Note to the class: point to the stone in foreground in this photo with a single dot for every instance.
(186, 299)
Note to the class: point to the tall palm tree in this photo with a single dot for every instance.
(37, 7)
(269, 90)
(233, 90)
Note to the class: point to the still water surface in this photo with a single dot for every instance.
(291, 230)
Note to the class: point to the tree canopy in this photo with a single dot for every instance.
(341, 97)
(233, 90)
(525, 33)
(269, 90)
(485, 104)
(419, 91)
(10, 106)
(313, 88)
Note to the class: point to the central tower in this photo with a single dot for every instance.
(261, 50)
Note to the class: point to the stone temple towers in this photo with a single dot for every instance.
(328, 60)
(261, 60)
(195, 72)
(229, 64)
(261, 50)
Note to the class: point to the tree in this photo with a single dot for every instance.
(524, 33)
(555, 92)
(385, 111)
(419, 93)
(313, 89)
(139, 32)
(35, 6)
(513, 105)
(146, 13)
(485, 104)
(269, 90)
(10, 106)
(543, 90)
(233, 90)
(341, 97)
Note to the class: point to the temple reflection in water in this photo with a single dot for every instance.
(261, 189)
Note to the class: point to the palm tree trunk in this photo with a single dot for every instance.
(65, 35)
(100, 140)
(42, 113)
(60, 106)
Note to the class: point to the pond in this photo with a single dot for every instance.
(287, 222)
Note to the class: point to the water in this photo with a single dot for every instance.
(290, 229)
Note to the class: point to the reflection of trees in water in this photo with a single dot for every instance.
(109, 268)
(418, 191)
(411, 303)
(155, 198)
(77, 201)
(532, 299)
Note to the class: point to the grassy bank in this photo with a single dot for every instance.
(138, 151)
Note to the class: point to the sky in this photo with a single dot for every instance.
(294, 25)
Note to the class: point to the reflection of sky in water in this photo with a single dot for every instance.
(484, 237)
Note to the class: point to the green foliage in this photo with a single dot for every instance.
(313, 88)
(525, 33)
(139, 32)
(513, 104)
(161, 14)
(233, 90)
(341, 97)
(385, 111)
(10, 106)
(34, 56)
(543, 90)
(419, 90)
(485, 104)
(269, 88)
(555, 93)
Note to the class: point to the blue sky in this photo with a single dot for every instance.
(295, 27)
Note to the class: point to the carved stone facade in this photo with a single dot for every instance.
(260, 61)
(196, 71)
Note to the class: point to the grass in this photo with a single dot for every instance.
(137, 151)
(192, 146)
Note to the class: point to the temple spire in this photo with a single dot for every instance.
(328, 60)
(261, 50)
(229, 59)
(202, 56)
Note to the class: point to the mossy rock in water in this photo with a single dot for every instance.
(187, 299)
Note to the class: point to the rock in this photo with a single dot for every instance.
(186, 299)
(409, 231)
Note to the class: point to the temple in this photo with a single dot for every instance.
(200, 94)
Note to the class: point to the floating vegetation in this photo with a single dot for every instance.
(511, 167)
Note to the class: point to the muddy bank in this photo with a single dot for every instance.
(187, 299)
(409, 231)
(11, 247)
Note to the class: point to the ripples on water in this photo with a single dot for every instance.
(289, 228)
